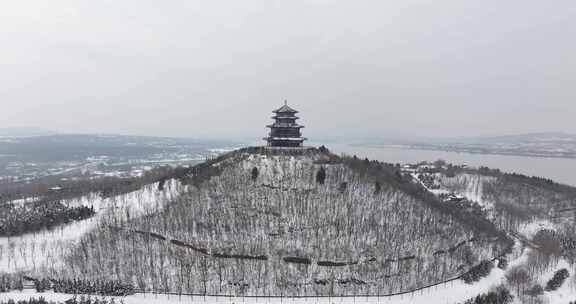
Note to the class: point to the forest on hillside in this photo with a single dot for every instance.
(253, 222)
(512, 201)
(315, 224)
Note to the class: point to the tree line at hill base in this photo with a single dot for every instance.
(11, 282)
(37, 216)
(499, 296)
(78, 286)
(75, 300)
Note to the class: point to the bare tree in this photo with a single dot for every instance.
(519, 278)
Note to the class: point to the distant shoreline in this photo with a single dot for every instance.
(484, 151)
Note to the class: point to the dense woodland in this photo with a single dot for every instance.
(10, 282)
(37, 216)
(75, 300)
(499, 296)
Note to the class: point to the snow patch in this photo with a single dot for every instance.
(530, 229)
(470, 186)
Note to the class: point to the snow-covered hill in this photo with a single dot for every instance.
(305, 223)
(263, 222)
(537, 212)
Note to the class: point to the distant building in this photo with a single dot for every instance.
(285, 131)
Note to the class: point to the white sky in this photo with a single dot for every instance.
(431, 68)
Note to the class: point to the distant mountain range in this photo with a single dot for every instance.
(25, 131)
(551, 144)
(544, 144)
(519, 138)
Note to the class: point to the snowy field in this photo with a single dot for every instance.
(450, 294)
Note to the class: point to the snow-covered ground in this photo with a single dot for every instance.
(22, 201)
(449, 294)
(528, 230)
(466, 186)
(470, 186)
(34, 250)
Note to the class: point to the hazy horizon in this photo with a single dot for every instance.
(415, 68)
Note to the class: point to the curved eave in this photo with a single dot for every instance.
(277, 126)
(285, 117)
(281, 110)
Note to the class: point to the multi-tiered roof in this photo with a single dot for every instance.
(285, 132)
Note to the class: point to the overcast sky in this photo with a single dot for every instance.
(432, 68)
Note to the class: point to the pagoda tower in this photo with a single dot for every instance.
(285, 131)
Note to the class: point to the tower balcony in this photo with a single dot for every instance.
(285, 125)
(291, 117)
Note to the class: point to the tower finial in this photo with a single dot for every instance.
(285, 102)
